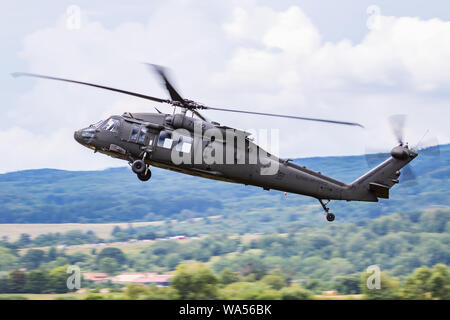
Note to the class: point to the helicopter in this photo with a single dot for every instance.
(200, 147)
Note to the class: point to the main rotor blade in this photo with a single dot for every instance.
(173, 93)
(198, 114)
(285, 116)
(143, 96)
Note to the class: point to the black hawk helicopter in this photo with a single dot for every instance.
(161, 140)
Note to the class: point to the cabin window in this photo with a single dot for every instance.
(142, 135)
(112, 125)
(184, 144)
(165, 139)
(134, 132)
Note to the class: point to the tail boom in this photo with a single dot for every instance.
(376, 183)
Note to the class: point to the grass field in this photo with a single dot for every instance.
(31, 296)
(102, 230)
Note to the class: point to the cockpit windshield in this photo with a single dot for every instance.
(97, 124)
(111, 125)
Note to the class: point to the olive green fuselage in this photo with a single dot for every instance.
(154, 138)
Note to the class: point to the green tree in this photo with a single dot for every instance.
(439, 282)
(348, 284)
(33, 259)
(416, 285)
(134, 290)
(8, 260)
(227, 276)
(195, 282)
(24, 240)
(114, 253)
(274, 281)
(171, 260)
(246, 290)
(251, 264)
(116, 229)
(36, 281)
(314, 285)
(4, 285)
(269, 294)
(52, 254)
(16, 281)
(108, 265)
(434, 221)
(295, 292)
(160, 293)
(389, 288)
(57, 282)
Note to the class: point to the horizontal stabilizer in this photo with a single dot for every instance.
(381, 191)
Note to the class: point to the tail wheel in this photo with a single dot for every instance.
(138, 166)
(145, 176)
(330, 216)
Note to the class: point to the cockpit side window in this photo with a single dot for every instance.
(142, 135)
(165, 139)
(134, 132)
(112, 125)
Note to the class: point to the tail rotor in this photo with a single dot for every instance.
(426, 146)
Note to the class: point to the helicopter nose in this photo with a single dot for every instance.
(77, 136)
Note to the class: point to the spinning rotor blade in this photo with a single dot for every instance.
(192, 105)
(407, 174)
(428, 146)
(397, 123)
(177, 100)
(172, 92)
(283, 116)
(20, 74)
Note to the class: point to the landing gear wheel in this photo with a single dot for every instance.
(145, 176)
(330, 216)
(138, 167)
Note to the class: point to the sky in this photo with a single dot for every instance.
(357, 61)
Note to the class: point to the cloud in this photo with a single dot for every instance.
(399, 67)
(244, 56)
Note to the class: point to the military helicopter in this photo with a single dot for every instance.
(161, 140)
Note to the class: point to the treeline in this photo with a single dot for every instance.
(48, 271)
(109, 260)
(72, 237)
(35, 281)
(199, 283)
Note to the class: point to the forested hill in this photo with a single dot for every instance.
(112, 195)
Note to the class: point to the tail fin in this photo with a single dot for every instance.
(377, 182)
